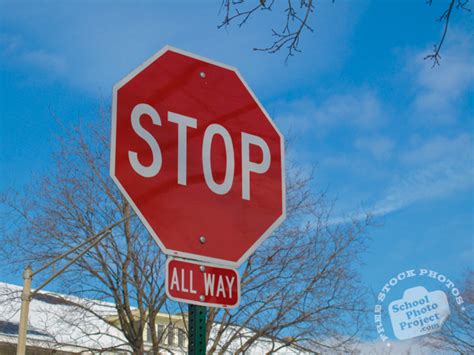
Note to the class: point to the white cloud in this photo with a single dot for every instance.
(45, 60)
(101, 43)
(379, 147)
(360, 108)
(295, 116)
(433, 168)
(439, 148)
(440, 90)
(443, 166)
(15, 51)
(436, 180)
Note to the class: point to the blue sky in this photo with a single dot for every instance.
(388, 132)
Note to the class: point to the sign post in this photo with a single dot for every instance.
(197, 330)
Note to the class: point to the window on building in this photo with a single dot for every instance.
(181, 338)
(161, 331)
(148, 333)
(171, 332)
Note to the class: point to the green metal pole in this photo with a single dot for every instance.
(197, 330)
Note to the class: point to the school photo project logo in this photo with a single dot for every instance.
(419, 311)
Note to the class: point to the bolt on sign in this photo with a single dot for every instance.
(197, 157)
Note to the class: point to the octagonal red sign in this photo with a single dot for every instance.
(197, 157)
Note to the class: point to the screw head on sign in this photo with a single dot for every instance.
(202, 74)
(202, 239)
(201, 298)
(202, 268)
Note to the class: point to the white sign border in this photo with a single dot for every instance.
(215, 261)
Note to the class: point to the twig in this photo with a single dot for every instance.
(446, 16)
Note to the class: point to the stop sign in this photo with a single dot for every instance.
(197, 157)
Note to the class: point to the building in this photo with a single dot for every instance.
(63, 324)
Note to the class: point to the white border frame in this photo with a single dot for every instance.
(178, 253)
(169, 259)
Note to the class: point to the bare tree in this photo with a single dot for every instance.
(457, 334)
(297, 15)
(300, 288)
(296, 21)
(72, 203)
(300, 285)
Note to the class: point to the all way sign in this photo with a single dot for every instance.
(202, 284)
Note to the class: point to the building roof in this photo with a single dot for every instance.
(73, 324)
